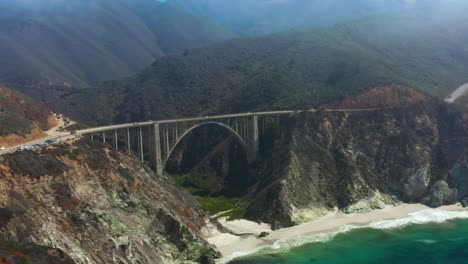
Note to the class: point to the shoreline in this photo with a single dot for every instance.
(459, 92)
(246, 241)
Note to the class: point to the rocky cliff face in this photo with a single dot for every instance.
(19, 253)
(98, 206)
(356, 161)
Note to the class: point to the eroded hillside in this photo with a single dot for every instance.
(21, 118)
(98, 206)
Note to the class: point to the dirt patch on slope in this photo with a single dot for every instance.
(381, 97)
(13, 139)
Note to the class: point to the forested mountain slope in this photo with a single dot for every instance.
(293, 70)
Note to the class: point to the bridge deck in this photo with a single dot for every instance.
(180, 120)
(210, 118)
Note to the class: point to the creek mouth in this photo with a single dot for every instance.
(212, 165)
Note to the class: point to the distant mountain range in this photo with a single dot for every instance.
(292, 70)
(251, 18)
(78, 42)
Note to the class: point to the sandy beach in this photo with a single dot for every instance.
(246, 239)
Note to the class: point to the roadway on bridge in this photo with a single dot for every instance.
(210, 118)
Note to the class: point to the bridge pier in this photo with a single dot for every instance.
(116, 140)
(155, 149)
(252, 139)
(140, 144)
(129, 150)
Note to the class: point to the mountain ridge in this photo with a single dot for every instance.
(81, 42)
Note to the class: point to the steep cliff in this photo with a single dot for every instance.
(360, 160)
(98, 206)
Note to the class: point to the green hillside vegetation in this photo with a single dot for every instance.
(81, 41)
(201, 188)
(293, 70)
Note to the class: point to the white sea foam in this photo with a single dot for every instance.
(421, 217)
(284, 245)
(427, 241)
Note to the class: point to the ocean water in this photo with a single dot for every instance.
(424, 237)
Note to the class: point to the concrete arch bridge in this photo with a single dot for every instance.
(155, 141)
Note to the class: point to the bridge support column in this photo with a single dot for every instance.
(129, 150)
(166, 132)
(104, 137)
(140, 144)
(156, 159)
(252, 139)
(116, 140)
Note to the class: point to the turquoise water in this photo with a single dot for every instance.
(445, 242)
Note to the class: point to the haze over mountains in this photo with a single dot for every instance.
(78, 42)
(258, 17)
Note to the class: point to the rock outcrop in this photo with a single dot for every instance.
(98, 206)
(356, 161)
(20, 253)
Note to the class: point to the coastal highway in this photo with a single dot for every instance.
(35, 143)
(56, 136)
(51, 134)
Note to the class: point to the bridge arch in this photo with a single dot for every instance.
(191, 129)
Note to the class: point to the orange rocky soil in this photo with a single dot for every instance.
(13, 139)
(36, 133)
(22, 119)
(381, 97)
